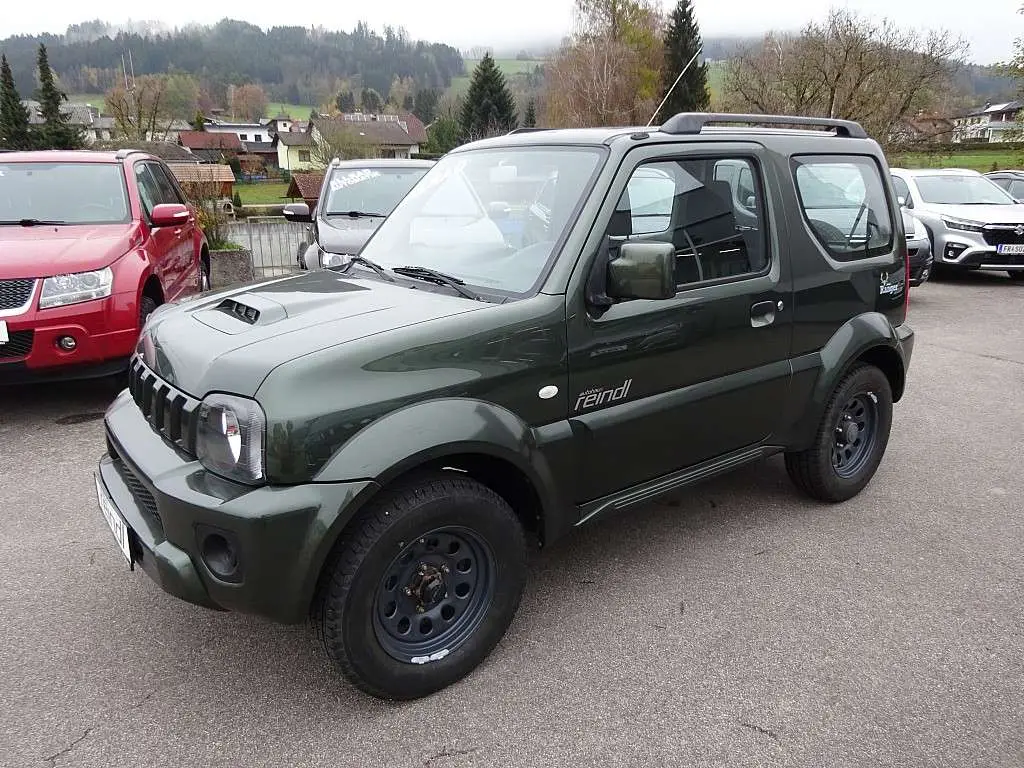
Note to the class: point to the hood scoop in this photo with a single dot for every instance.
(238, 313)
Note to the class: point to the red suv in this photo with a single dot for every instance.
(90, 244)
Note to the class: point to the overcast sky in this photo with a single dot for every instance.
(989, 25)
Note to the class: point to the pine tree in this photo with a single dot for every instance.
(530, 118)
(199, 122)
(488, 108)
(56, 131)
(13, 115)
(682, 41)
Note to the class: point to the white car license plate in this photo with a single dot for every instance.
(1010, 249)
(4, 336)
(117, 524)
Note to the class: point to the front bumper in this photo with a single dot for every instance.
(919, 252)
(172, 506)
(970, 251)
(105, 332)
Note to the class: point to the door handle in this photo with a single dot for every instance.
(762, 314)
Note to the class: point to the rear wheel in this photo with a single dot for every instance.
(851, 438)
(423, 586)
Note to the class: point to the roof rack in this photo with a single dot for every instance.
(527, 130)
(121, 154)
(693, 122)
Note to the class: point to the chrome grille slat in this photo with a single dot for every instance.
(169, 411)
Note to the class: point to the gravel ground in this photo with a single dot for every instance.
(738, 625)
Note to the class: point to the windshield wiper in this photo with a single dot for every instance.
(357, 214)
(366, 263)
(31, 222)
(433, 276)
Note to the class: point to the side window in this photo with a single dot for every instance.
(168, 194)
(1017, 189)
(844, 202)
(902, 190)
(149, 190)
(708, 208)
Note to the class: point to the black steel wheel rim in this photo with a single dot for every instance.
(434, 594)
(855, 434)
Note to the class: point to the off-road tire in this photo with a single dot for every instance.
(812, 470)
(345, 609)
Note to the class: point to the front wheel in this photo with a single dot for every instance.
(851, 439)
(423, 587)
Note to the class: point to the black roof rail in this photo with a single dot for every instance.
(693, 122)
(527, 130)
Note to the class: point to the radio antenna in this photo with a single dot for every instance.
(693, 59)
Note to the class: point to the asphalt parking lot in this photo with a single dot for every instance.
(739, 625)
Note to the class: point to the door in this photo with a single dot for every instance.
(657, 386)
(186, 258)
(168, 242)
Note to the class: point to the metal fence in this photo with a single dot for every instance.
(273, 241)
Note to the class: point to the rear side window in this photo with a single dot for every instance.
(843, 199)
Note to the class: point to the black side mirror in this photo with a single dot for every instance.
(643, 271)
(297, 212)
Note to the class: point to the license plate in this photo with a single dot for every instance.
(117, 524)
(1007, 248)
(4, 336)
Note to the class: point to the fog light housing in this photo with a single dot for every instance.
(953, 250)
(67, 343)
(220, 553)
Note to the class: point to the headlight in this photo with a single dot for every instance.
(328, 260)
(61, 290)
(963, 225)
(230, 437)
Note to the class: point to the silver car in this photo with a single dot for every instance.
(973, 223)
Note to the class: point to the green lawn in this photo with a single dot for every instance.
(977, 160)
(262, 194)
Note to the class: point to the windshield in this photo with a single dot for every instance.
(490, 217)
(72, 193)
(961, 190)
(369, 190)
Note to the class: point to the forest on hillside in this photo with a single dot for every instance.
(300, 65)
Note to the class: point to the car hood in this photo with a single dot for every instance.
(340, 234)
(231, 340)
(44, 251)
(986, 214)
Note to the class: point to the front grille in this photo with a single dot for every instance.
(14, 294)
(169, 411)
(18, 345)
(1003, 237)
(144, 499)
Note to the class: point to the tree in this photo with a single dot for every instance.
(57, 132)
(488, 108)
(140, 113)
(370, 101)
(199, 122)
(530, 118)
(14, 129)
(346, 101)
(847, 67)
(682, 41)
(608, 72)
(425, 104)
(249, 102)
(181, 96)
(443, 135)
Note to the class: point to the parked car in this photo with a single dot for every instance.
(1011, 181)
(972, 222)
(356, 196)
(919, 249)
(374, 444)
(90, 244)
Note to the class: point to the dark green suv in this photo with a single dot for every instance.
(554, 325)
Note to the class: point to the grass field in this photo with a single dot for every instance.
(262, 194)
(977, 160)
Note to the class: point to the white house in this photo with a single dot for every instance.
(993, 123)
(255, 132)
